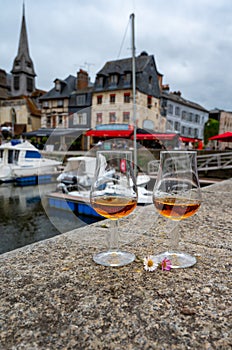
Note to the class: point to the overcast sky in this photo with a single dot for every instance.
(191, 41)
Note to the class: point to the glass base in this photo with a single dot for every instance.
(178, 260)
(114, 258)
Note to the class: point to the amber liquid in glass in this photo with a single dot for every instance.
(176, 208)
(113, 207)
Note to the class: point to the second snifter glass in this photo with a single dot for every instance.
(177, 196)
(114, 195)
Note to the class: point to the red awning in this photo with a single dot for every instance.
(155, 136)
(226, 137)
(189, 139)
(109, 133)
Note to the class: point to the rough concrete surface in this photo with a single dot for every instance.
(53, 295)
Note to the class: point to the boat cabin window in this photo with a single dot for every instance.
(32, 154)
(13, 156)
(81, 168)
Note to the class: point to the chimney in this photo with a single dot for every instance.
(165, 88)
(178, 93)
(82, 79)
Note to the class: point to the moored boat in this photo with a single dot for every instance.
(77, 177)
(21, 162)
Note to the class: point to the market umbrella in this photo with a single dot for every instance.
(225, 137)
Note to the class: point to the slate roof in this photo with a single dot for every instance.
(125, 65)
(176, 97)
(23, 61)
(68, 86)
(32, 107)
(144, 65)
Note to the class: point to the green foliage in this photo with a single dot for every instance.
(211, 129)
(44, 139)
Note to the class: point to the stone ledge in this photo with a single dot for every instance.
(53, 296)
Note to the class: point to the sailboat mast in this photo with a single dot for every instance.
(132, 17)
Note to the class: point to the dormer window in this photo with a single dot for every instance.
(81, 100)
(100, 81)
(57, 85)
(127, 78)
(113, 79)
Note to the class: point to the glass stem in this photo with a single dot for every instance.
(175, 237)
(113, 237)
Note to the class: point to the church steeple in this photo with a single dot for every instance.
(23, 73)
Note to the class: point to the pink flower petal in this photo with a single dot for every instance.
(166, 264)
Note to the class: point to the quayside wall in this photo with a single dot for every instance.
(53, 295)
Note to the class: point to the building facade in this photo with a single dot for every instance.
(4, 88)
(183, 116)
(68, 103)
(68, 106)
(224, 118)
(225, 124)
(19, 98)
(112, 99)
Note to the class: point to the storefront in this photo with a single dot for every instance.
(148, 138)
(192, 143)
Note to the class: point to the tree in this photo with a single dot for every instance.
(211, 128)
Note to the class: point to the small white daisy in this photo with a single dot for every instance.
(149, 264)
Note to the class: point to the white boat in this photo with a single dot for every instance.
(22, 162)
(78, 172)
(77, 178)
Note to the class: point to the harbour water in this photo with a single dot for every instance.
(25, 219)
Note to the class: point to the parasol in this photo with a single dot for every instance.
(225, 137)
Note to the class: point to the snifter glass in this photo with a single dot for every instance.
(177, 196)
(114, 195)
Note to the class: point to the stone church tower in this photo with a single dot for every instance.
(23, 73)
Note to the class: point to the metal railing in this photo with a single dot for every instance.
(216, 161)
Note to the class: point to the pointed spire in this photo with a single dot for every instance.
(23, 65)
(23, 41)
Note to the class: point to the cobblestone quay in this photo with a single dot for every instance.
(53, 296)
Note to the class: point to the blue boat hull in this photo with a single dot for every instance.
(34, 180)
(59, 201)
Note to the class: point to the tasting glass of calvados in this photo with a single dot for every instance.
(114, 195)
(177, 196)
